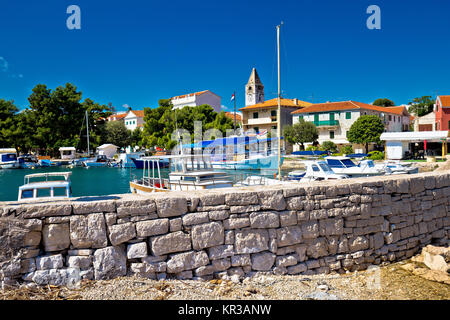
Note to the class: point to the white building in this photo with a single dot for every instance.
(134, 119)
(109, 150)
(67, 153)
(197, 99)
(334, 119)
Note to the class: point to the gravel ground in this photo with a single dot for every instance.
(394, 283)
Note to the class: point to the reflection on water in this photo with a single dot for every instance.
(96, 181)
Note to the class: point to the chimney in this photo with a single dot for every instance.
(295, 101)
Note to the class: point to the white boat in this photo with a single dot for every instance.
(343, 165)
(48, 189)
(187, 172)
(260, 181)
(316, 170)
(99, 161)
(396, 167)
(8, 159)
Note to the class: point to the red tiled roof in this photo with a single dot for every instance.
(190, 94)
(231, 116)
(445, 100)
(138, 113)
(115, 117)
(347, 105)
(274, 103)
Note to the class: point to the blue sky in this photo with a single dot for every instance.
(137, 52)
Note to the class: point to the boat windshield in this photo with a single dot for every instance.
(9, 157)
(325, 167)
(188, 164)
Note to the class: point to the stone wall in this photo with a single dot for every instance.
(321, 227)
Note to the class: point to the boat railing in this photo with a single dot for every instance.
(46, 175)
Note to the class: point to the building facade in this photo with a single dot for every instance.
(196, 99)
(442, 112)
(334, 119)
(134, 119)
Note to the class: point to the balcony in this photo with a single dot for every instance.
(326, 123)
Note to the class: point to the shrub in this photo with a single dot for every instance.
(376, 155)
(311, 148)
(328, 146)
(347, 149)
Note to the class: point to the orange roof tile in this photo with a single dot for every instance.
(138, 113)
(189, 95)
(347, 105)
(274, 103)
(231, 116)
(115, 117)
(445, 100)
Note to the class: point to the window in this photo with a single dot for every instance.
(255, 115)
(273, 113)
(390, 118)
(274, 127)
(315, 168)
(348, 115)
(256, 129)
(331, 134)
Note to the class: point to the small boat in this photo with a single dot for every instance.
(316, 170)
(48, 189)
(187, 172)
(99, 161)
(8, 159)
(344, 165)
(396, 167)
(255, 180)
(139, 163)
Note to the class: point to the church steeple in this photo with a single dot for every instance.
(254, 90)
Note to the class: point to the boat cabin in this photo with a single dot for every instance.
(48, 188)
(67, 153)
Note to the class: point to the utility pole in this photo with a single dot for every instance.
(87, 133)
(234, 100)
(279, 103)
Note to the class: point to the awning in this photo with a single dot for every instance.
(415, 136)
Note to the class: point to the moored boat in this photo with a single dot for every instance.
(8, 159)
(47, 189)
(344, 165)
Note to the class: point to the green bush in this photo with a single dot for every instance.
(347, 149)
(376, 155)
(328, 146)
(311, 148)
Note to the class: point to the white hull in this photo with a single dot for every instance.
(9, 165)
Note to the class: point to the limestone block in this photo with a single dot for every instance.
(263, 261)
(32, 239)
(93, 206)
(287, 236)
(294, 203)
(207, 235)
(187, 261)
(121, 233)
(220, 252)
(56, 236)
(331, 227)
(137, 250)
(317, 248)
(88, 231)
(245, 209)
(358, 243)
(241, 198)
(286, 261)
(175, 224)
(49, 262)
(195, 218)
(81, 262)
(251, 241)
(212, 199)
(241, 260)
(288, 218)
(218, 215)
(272, 200)
(310, 229)
(221, 264)
(297, 269)
(264, 220)
(109, 263)
(51, 210)
(171, 207)
(169, 243)
(236, 223)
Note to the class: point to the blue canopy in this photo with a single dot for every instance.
(309, 153)
(246, 140)
(357, 155)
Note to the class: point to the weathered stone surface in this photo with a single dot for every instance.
(331, 227)
(241, 260)
(207, 235)
(80, 252)
(236, 223)
(288, 218)
(358, 243)
(310, 229)
(264, 220)
(244, 209)
(171, 207)
(297, 269)
(38, 211)
(152, 227)
(218, 215)
(251, 241)
(263, 261)
(32, 239)
(317, 248)
(27, 265)
(294, 203)
(81, 262)
(241, 198)
(221, 264)
(130, 208)
(212, 199)
(50, 262)
(187, 261)
(93, 206)
(195, 218)
(286, 261)
(272, 200)
(169, 243)
(220, 252)
(287, 236)
(109, 263)
(33, 224)
(56, 277)
(88, 231)
(56, 236)
(137, 250)
(175, 224)
(121, 233)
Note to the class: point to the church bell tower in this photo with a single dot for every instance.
(254, 90)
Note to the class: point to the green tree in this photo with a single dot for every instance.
(346, 149)
(383, 102)
(221, 122)
(367, 129)
(136, 137)
(7, 123)
(301, 132)
(421, 106)
(117, 134)
(328, 146)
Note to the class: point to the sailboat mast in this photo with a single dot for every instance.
(87, 133)
(279, 104)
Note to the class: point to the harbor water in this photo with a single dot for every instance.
(95, 181)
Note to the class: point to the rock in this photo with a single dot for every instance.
(329, 227)
(322, 287)
(286, 261)
(212, 199)
(137, 250)
(169, 243)
(263, 261)
(81, 262)
(38, 211)
(317, 248)
(56, 277)
(221, 264)
(272, 200)
(153, 227)
(171, 207)
(93, 206)
(236, 223)
(251, 241)
(131, 208)
(287, 236)
(310, 229)
(56, 237)
(241, 198)
(297, 269)
(187, 261)
(195, 218)
(142, 270)
(109, 263)
(218, 215)
(175, 224)
(220, 252)
(294, 203)
(27, 265)
(80, 252)
(32, 239)
(434, 262)
(50, 262)
(358, 243)
(320, 295)
(288, 218)
(264, 220)
(88, 231)
(207, 235)
(121, 233)
(241, 260)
